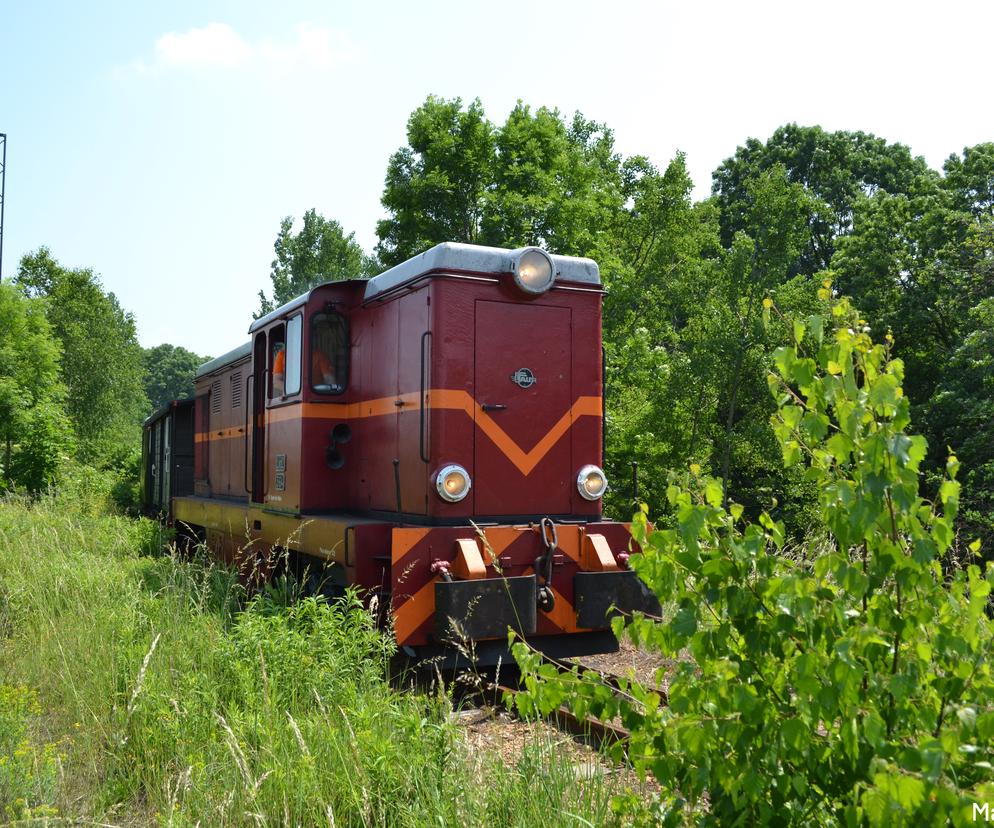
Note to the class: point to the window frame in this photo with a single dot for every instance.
(299, 319)
(322, 316)
(272, 398)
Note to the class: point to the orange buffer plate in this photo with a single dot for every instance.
(503, 551)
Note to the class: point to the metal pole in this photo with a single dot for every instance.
(3, 187)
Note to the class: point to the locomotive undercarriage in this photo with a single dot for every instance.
(449, 592)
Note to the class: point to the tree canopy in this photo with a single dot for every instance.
(102, 362)
(319, 252)
(169, 373)
(35, 433)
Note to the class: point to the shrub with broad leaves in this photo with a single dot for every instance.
(850, 685)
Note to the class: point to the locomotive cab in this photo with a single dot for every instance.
(434, 434)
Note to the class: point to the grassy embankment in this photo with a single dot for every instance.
(138, 688)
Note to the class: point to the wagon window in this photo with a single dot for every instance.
(329, 353)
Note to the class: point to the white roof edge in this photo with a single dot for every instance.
(234, 355)
(476, 259)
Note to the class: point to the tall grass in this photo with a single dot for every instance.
(139, 688)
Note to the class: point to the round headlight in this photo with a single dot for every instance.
(591, 483)
(533, 270)
(452, 483)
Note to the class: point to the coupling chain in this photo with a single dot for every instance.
(543, 564)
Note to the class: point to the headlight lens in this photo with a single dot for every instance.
(591, 483)
(533, 270)
(452, 483)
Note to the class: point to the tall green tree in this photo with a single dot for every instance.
(556, 184)
(921, 266)
(837, 168)
(971, 180)
(35, 433)
(659, 265)
(536, 179)
(102, 362)
(169, 373)
(320, 251)
(436, 186)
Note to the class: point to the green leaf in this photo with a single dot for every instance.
(685, 622)
(798, 331)
(713, 492)
(794, 733)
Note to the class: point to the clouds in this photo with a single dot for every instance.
(218, 45)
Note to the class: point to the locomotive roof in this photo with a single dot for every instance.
(234, 355)
(296, 302)
(474, 258)
(467, 258)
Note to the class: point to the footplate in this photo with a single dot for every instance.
(601, 595)
(485, 607)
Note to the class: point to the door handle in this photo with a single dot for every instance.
(493, 407)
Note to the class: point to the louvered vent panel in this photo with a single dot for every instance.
(216, 397)
(236, 389)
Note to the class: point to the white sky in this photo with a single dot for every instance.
(161, 146)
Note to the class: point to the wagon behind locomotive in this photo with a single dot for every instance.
(425, 424)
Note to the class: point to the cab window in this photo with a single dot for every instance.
(277, 362)
(284, 358)
(294, 329)
(329, 361)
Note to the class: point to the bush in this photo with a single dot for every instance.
(851, 687)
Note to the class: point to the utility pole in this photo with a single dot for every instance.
(3, 187)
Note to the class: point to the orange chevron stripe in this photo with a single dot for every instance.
(523, 460)
(442, 399)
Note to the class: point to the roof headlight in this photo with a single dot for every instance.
(533, 270)
(452, 483)
(591, 483)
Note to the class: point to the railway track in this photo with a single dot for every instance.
(591, 729)
(498, 691)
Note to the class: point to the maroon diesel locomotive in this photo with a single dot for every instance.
(432, 435)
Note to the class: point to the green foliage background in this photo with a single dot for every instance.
(845, 683)
(686, 352)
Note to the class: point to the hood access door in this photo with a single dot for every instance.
(524, 391)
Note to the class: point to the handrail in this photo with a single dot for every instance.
(249, 405)
(421, 420)
(265, 434)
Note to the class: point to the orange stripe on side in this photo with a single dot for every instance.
(222, 434)
(414, 612)
(444, 400)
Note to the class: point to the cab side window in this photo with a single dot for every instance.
(284, 358)
(294, 329)
(277, 362)
(329, 361)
